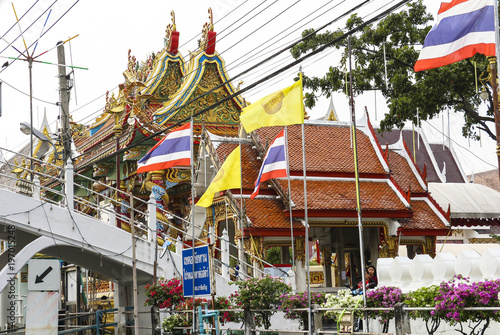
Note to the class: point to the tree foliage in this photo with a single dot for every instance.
(401, 34)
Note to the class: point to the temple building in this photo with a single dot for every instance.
(167, 90)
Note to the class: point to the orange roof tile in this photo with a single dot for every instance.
(268, 213)
(341, 195)
(424, 217)
(328, 149)
(402, 173)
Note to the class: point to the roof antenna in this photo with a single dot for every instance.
(72, 72)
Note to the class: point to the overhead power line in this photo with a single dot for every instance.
(264, 79)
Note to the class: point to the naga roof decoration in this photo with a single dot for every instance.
(155, 93)
(207, 82)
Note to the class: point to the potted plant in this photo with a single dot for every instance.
(260, 294)
(175, 320)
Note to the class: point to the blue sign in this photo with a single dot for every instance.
(201, 271)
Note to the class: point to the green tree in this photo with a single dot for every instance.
(401, 34)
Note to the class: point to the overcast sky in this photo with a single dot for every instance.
(108, 29)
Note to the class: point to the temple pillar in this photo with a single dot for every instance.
(285, 255)
(430, 246)
(327, 265)
(300, 265)
(390, 249)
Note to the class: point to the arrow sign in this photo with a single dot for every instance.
(44, 275)
(39, 279)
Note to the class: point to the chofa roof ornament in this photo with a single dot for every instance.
(172, 36)
(207, 42)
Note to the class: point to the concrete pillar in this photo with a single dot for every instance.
(443, 267)
(420, 271)
(121, 320)
(300, 276)
(490, 264)
(36, 188)
(225, 255)
(242, 259)
(112, 216)
(290, 280)
(400, 271)
(402, 319)
(69, 188)
(467, 264)
(179, 246)
(152, 219)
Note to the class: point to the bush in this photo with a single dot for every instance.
(343, 299)
(386, 297)
(289, 302)
(165, 294)
(456, 294)
(225, 303)
(174, 320)
(260, 293)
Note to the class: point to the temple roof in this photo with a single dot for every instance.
(328, 150)
(426, 216)
(402, 173)
(158, 94)
(378, 199)
(432, 157)
(268, 214)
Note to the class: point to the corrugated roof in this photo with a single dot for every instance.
(467, 200)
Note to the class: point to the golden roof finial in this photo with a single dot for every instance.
(211, 18)
(168, 31)
(174, 27)
(208, 26)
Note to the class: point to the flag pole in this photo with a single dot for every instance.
(308, 273)
(289, 196)
(494, 76)
(243, 267)
(191, 148)
(356, 172)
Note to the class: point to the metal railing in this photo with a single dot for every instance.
(45, 182)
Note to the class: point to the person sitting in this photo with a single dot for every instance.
(372, 273)
(371, 280)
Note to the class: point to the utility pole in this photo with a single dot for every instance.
(64, 103)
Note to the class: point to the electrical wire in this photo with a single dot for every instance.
(458, 144)
(5, 34)
(266, 78)
(266, 60)
(248, 59)
(279, 52)
(46, 31)
(27, 94)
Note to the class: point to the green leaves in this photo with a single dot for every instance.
(261, 293)
(402, 34)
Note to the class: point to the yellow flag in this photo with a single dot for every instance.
(228, 177)
(282, 108)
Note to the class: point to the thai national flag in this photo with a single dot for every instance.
(173, 150)
(463, 28)
(274, 164)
